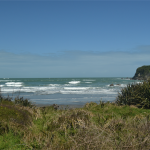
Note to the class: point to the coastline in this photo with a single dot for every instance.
(68, 92)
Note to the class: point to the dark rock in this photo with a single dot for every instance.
(111, 85)
(118, 84)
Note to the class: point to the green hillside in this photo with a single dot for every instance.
(142, 73)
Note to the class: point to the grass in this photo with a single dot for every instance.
(95, 126)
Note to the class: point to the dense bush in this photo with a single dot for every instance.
(17, 101)
(2, 98)
(13, 116)
(135, 94)
(23, 102)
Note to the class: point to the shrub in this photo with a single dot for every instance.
(18, 100)
(23, 102)
(5, 99)
(135, 94)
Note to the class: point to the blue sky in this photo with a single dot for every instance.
(73, 38)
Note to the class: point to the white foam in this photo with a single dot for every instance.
(16, 89)
(41, 90)
(123, 85)
(88, 82)
(54, 85)
(75, 88)
(139, 82)
(56, 88)
(85, 90)
(66, 84)
(8, 90)
(110, 91)
(14, 84)
(71, 92)
(74, 82)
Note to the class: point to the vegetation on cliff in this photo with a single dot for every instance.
(142, 73)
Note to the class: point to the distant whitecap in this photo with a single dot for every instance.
(14, 84)
(74, 82)
(75, 88)
(54, 85)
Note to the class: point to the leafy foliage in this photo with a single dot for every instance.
(135, 94)
(23, 102)
(17, 101)
(14, 112)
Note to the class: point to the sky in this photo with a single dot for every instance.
(88, 38)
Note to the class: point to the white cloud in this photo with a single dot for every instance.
(73, 64)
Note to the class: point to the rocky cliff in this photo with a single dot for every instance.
(142, 73)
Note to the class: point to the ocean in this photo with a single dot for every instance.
(64, 91)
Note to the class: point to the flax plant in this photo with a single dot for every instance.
(135, 94)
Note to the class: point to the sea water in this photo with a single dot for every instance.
(64, 91)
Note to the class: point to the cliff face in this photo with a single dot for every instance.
(142, 73)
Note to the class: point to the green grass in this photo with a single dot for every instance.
(95, 126)
(11, 141)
